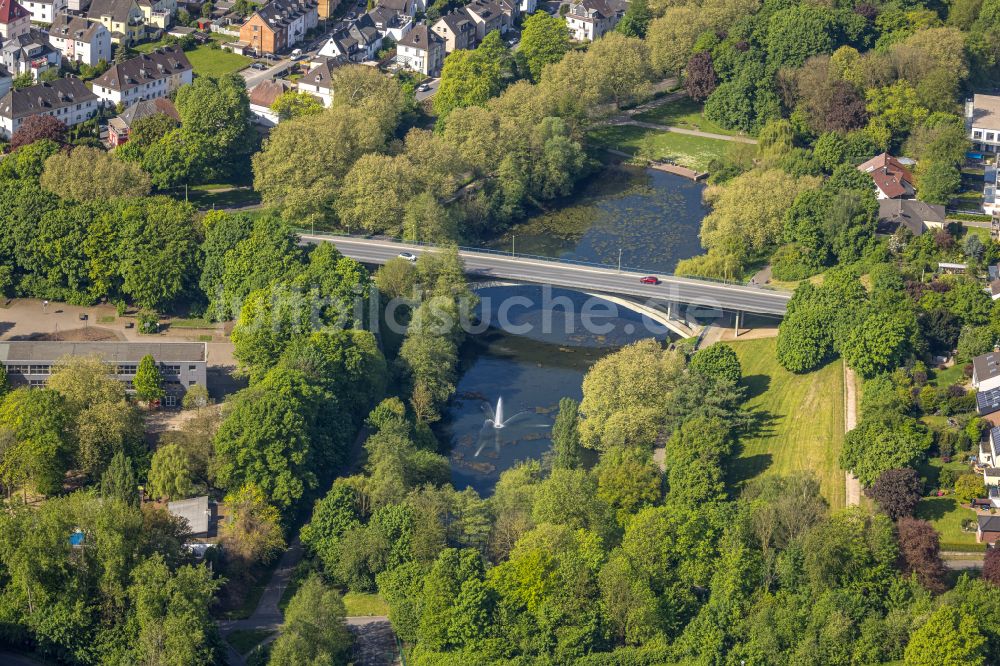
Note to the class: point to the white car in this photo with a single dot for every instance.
(297, 54)
(408, 256)
(423, 87)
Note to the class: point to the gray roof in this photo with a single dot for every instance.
(989, 523)
(457, 22)
(987, 366)
(909, 213)
(118, 10)
(45, 97)
(112, 352)
(986, 111)
(486, 10)
(420, 37)
(195, 511)
(147, 108)
(144, 68)
(279, 13)
(318, 76)
(75, 27)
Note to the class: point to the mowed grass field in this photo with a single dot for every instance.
(693, 152)
(801, 420)
(206, 61)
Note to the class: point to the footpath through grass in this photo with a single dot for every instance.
(693, 152)
(801, 420)
(685, 113)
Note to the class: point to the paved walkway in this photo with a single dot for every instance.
(681, 130)
(850, 421)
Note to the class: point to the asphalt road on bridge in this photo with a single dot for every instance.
(591, 279)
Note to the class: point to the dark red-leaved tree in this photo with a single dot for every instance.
(991, 566)
(699, 77)
(846, 109)
(920, 552)
(36, 128)
(896, 491)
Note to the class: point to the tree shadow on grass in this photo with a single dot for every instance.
(756, 385)
(742, 470)
(935, 508)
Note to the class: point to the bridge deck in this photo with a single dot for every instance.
(690, 291)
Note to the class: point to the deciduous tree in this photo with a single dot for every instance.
(897, 491)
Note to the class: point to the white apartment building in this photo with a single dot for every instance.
(45, 11)
(148, 76)
(80, 39)
(591, 19)
(421, 50)
(68, 100)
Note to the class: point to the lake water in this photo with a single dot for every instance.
(651, 216)
(654, 218)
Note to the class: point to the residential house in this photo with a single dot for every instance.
(987, 529)
(911, 214)
(45, 11)
(390, 23)
(512, 8)
(158, 13)
(122, 18)
(181, 364)
(147, 76)
(488, 16)
(405, 7)
(262, 98)
(14, 19)
(993, 287)
(359, 42)
(318, 82)
(29, 53)
(421, 50)
(589, 20)
(120, 126)
(982, 122)
(279, 25)
(989, 449)
(892, 179)
(67, 99)
(78, 6)
(197, 512)
(80, 39)
(528, 6)
(986, 371)
(457, 29)
(986, 381)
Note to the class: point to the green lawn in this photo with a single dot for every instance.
(931, 469)
(221, 196)
(802, 420)
(359, 603)
(685, 113)
(953, 375)
(206, 61)
(243, 640)
(946, 515)
(694, 152)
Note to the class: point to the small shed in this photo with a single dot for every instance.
(198, 513)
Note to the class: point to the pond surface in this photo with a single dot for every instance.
(651, 216)
(540, 350)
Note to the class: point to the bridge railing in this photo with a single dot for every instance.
(525, 255)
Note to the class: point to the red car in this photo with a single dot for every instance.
(650, 279)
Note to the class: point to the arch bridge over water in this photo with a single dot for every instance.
(682, 304)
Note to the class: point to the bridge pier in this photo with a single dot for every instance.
(738, 318)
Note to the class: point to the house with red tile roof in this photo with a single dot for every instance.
(14, 19)
(892, 179)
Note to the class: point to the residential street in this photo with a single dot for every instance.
(427, 94)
